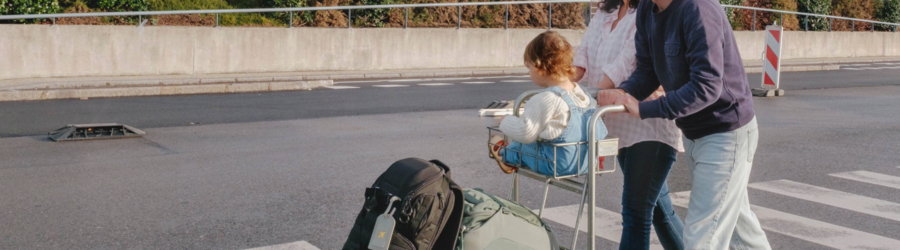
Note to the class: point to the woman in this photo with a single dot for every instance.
(647, 148)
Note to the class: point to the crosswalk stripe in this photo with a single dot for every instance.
(814, 231)
(390, 86)
(435, 84)
(855, 68)
(453, 79)
(858, 203)
(516, 81)
(299, 245)
(609, 223)
(477, 82)
(340, 87)
(872, 178)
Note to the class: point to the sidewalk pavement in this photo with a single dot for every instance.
(95, 87)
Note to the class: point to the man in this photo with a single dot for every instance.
(688, 48)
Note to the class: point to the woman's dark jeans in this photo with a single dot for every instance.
(645, 197)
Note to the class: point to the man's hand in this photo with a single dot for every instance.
(631, 105)
(579, 73)
(608, 96)
(656, 94)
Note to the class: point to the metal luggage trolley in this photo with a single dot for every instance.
(597, 148)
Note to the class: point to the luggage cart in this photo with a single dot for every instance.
(587, 187)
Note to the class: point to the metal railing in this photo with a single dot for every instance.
(350, 8)
(807, 15)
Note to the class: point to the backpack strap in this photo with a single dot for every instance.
(447, 239)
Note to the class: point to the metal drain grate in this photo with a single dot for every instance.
(94, 131)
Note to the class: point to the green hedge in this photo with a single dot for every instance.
(887, 11)
(19, 7)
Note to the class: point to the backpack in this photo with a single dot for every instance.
(496, 224)
(427, 208)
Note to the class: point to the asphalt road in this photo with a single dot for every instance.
(262, 169)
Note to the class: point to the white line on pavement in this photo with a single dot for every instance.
(390, 86)
(435, 84)
(855, 68)
(608, 224)
(340, 87)
(516, 81)
(814, 231)
(408, 80)
(369, 81)
(870, 177)
(300, 245)
(860, 64)
(858, 203)
(453, 79)
(477, 82)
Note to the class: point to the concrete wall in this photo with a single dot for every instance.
(800, 44)
(28, 51)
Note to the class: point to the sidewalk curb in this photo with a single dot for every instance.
(83, 93)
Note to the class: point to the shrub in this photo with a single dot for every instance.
(729, 12)
(816, 7)
(123, 5)
(22, 7)
(861, 9)
(887, 11)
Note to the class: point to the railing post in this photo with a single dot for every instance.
(217, 20)
(406, 19)
(349, 14)
(781, 16)
(829, 24)
(506, 22)
(140, 18)
(54, 21)
(550, 16)
(290, 19)
(873, 27)
(754, 20)
(806, 23)
(852, 25)
(458, 16)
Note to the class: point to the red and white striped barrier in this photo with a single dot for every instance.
(771, 75)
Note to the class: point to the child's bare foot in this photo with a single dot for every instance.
(495, 145)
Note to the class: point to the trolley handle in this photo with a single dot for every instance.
(523, 98)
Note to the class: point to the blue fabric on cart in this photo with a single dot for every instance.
(571, 159)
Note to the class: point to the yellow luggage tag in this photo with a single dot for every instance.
(384, 228)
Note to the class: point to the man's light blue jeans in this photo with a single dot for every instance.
(719, 213)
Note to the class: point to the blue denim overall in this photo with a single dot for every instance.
(567, 157)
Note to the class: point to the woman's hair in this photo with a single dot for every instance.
(551, 55)
(610, 5)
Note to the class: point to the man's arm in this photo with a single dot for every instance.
(643, 80)
(704, 34)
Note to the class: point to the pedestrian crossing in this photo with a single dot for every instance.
(609, 223)
(299, 245)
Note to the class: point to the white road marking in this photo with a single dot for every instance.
(477, 82)
(854, 68)
(852, 202)
(872, 178)
(300, 245)
(608, 223)
(493, 77)
(860, 64)
(435, 84)
(453, 79)
(340, 87)
(408, 80)
(814, 231)
(370, 81)
(515, 81)
(390, 86)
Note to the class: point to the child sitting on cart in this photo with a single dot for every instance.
(558, 115)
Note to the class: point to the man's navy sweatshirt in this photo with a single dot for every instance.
(690, 50)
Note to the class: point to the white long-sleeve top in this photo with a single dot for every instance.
(608, 51)
(546, 116)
